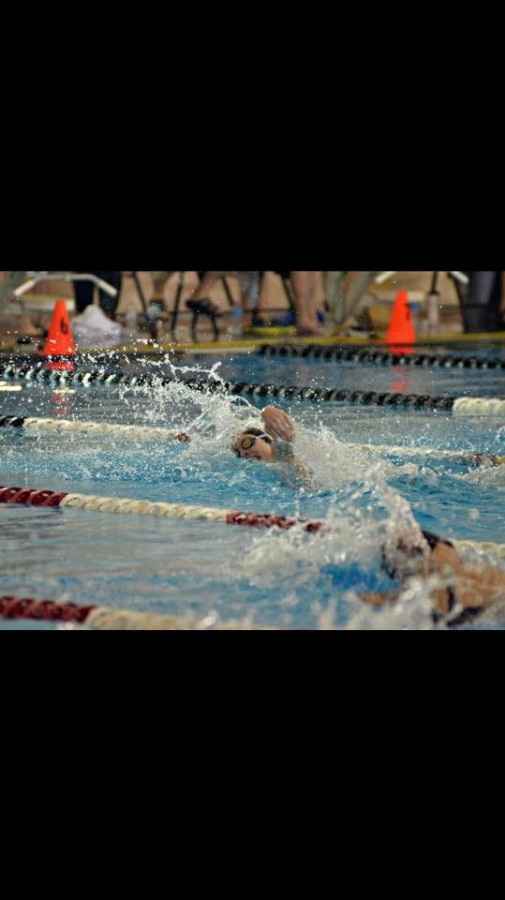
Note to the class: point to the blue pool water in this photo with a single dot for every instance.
(285, 579)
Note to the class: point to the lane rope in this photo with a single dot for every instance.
(141, 431)
(380, 356)
(110, 619)
(99, 503)
(458, 405)
(37, 497)
(474, 457)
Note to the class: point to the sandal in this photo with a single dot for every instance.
(203, 307)
(259, 322)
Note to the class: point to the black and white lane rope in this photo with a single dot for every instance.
(493, 406)
(380, 356)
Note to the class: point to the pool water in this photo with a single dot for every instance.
(288, 579)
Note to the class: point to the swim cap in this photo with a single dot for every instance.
(255, 428)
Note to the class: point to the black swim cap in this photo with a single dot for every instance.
(257, 432)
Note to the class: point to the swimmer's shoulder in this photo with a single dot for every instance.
(285, 452)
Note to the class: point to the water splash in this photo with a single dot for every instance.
(335, 465)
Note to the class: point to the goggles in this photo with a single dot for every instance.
(246, 441)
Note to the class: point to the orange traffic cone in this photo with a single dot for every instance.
(60, 341)
(401, 327)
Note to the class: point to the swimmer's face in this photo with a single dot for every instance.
(254, 444)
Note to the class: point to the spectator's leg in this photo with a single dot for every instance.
(250, 283)
(304, 286)
(207, 283)
(335, 300)
(159, 283)
(356, 293)
(475, 301)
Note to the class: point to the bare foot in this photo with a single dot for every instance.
(315, 331)
(26, 326)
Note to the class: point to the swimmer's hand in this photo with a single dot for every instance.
(278, 423)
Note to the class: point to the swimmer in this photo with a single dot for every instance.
(274, 443)
(462, 591)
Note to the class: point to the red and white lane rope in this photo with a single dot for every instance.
(185, 511)
(151, 508)
(110, 619)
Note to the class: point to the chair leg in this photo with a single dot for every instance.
(175, 311)
(194, 324)
(215, 328)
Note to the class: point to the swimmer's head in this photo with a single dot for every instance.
(253, 443)
(406, 555)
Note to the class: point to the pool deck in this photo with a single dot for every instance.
(416, 284)
(145, 348)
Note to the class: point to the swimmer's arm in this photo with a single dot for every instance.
(300, 468)
(472, 584)
(478, 585)
(470, 590)
(284, 452)
(282, 427)
(439, 599)
(278, 423)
